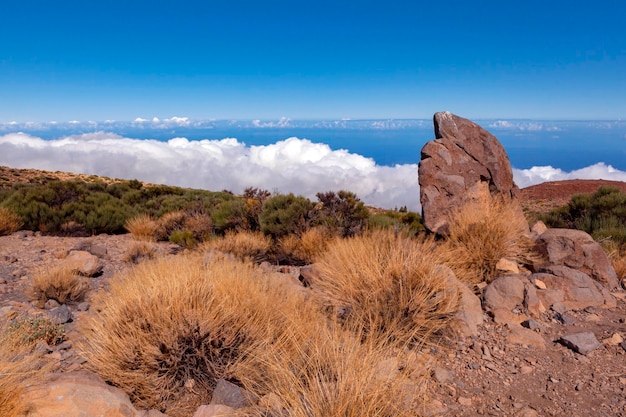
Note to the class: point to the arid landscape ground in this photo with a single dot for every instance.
(493, 374)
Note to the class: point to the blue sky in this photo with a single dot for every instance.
(89, 60)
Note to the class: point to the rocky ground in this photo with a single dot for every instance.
(499, 372)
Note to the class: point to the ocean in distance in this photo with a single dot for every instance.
(375, 158)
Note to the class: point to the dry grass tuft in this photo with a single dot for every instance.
(62, 284)
(183, 322)
(19, 367)
(169, 223)
(143, 227)
(139, 251)
(482, 233)
(244, 245)
(9, 221)
(386, 285)
(306, 248)
(320, 370)
(617, 255)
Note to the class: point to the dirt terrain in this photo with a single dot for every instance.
(488, 374)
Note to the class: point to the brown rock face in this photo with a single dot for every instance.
(577, 250)
(463, 163)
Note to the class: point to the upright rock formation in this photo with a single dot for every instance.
(463, 163)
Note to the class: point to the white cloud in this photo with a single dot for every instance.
(181, 121)
(292, 165)
(539, 174)
(140, 120)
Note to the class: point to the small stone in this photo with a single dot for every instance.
(582, 343)
(442, 375)
(531, 324)
(614, 340)
(525, 369)
(527, 412)
(507, 266)
(231, 395)
(491, 366)
(623, 345)
(464, 401)
(214, 410)
(540, 284)
(50, 304)
(84, 306)
(60, 315)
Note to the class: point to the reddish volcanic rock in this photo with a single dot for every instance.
(463, 163)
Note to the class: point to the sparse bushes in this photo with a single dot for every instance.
(480, 234)
(381, 283)
(61, 284)
(9, 221)
(183, 322)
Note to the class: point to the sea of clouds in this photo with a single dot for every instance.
(291, 165)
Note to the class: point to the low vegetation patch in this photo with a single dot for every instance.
(244, 245)
(321, 370)
(9, 221)
(601, 214)
(62, 284)
(385, 284)
(482, 233)
(182, 322)
(19, 366)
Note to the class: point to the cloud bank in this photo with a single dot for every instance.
(291, 165)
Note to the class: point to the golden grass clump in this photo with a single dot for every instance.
(386, 285)
(169, 223)
(139, 251)
(62, 284)
(321, 370)
(244, 245)
(306, 248)
(19, 367)
(9, 221)
(143, 227)
(168, 329)
(482, 233)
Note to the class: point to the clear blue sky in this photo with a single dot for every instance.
(96, 60)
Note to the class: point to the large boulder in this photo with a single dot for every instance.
(577, 250)
(462, 164)
(573, 288)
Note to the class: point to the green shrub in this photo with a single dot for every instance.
(343, 213)
(601, 214)
(183, 238)
(29, 330)
(283, 214)
(404, 220)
